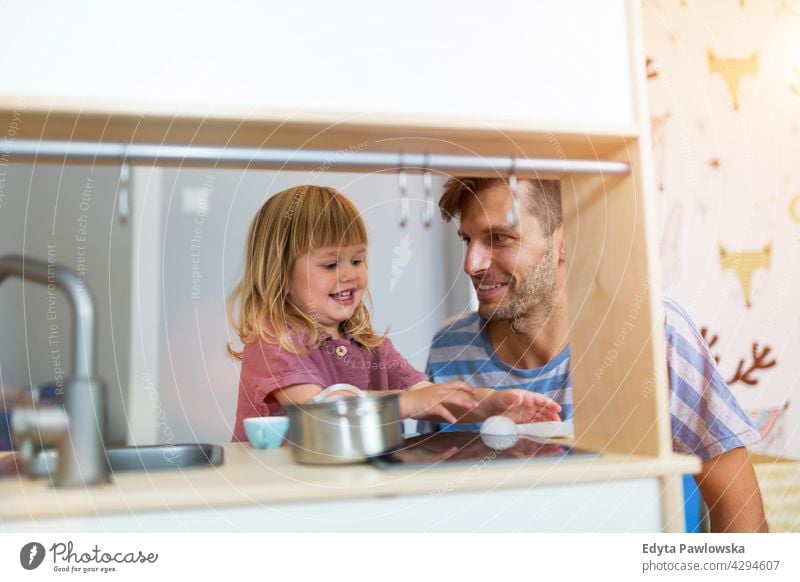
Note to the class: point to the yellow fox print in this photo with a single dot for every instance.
(745, 264)
(732, 71)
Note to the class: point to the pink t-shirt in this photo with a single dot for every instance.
(267, 367)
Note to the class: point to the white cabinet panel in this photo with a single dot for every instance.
(612, 506)
(509, 60)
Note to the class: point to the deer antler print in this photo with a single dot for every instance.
(759, 363)
(744, 375)
(650, 67)
(710, 342)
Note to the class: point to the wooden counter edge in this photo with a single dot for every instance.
(240, 483)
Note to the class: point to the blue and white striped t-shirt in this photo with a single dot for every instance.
(706, 418)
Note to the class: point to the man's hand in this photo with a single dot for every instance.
(459, 402)
(438, 401)
(521, 406)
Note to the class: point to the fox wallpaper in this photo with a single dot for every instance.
(724, 96)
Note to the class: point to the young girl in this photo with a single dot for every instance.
(304, 323)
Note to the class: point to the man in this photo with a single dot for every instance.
(519, 338)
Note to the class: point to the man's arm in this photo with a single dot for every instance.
(730, 490)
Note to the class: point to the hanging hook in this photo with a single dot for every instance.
(427, 186)
(124, 202)
(514, 212)
(402, 179)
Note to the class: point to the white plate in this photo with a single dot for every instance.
(547, 430)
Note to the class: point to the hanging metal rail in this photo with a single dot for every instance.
(329, 159)
(400, 162)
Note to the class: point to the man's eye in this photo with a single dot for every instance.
(358, 261)
(499, 238)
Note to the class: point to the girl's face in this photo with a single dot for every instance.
(328, 283)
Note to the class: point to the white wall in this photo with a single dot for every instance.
(198, 381)
(67, 213)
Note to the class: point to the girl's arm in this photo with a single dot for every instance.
(302, 393)
(439, 402)
(429, 401)
(449, 402)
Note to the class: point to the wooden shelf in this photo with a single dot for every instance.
(334, 131)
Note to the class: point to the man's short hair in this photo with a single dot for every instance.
(542, 198)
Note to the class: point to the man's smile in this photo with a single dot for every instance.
(487, 289)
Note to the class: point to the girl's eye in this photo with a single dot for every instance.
(329, 266)
(358, 261)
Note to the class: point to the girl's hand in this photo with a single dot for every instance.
(521, 406)
(433, 401)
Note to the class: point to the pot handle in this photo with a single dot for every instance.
(336, 388)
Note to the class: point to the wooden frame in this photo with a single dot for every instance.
(621, 396)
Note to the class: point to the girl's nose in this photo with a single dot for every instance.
(347, 273)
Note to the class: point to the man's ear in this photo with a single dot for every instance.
(558, 242)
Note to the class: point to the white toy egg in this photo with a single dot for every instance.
(499, 426)
(499, 442)
(499, 433)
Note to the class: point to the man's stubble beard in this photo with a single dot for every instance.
(534, 302)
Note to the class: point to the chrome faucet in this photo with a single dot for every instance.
(77, 427)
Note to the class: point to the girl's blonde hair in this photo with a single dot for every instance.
(287, 226)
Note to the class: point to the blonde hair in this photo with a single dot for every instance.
(287, 226)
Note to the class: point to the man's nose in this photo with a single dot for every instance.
(477, 260)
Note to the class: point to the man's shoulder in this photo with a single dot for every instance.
(467, 324)
(674, 310)
(458, 351)
(678, 323)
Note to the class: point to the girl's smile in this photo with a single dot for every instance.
(344, 297)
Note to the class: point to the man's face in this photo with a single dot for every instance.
(513, 269)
